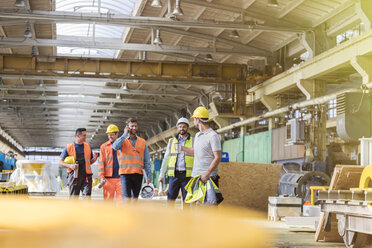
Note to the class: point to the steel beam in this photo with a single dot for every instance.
(121, 69)
(88, 99)
(217, 39)
(94, 90)
(327, 62)
(149, 22)
(268, 20)
(110, 79)
(117, 45)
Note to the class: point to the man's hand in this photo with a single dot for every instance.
(126, 130)
(204, 178)
(161, 180)
(73, 166)
(95, 155)
(149, 180)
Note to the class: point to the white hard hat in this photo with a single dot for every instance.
(183, 120)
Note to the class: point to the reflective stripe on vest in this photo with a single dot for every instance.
(131, 160)
(132, 157)
(71, 151)
(131, 165)
(172, 159)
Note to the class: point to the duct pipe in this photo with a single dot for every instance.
(318, 100)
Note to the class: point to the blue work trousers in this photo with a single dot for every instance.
(130, 185)
(176, 183)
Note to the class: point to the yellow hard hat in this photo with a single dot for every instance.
(69, 160)
(112, 129)
(200, 112)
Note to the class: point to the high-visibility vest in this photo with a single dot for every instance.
(106, 160)
(172, 159)
(87, 155)
(131, 159)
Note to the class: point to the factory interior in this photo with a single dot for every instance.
(281, 85)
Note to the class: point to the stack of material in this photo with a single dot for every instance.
(39, 176)
(12, 189)
(344, 177)
(248, 184)
(280, 207)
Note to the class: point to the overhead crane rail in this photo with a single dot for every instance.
(116, 69)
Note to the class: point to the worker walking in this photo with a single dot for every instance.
(108, 166)
(178, 164)
(134, 157)
(82, 154)
(207, 148)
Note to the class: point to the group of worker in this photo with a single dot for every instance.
(124, 160)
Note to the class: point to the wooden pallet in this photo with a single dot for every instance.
(344, 177)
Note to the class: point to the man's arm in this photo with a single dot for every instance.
(63, 164)
(62, 157)
(214, 164)
(119, 142)
(215, 143)
(101, 165)
(164, 165)
(93, 159)
(188, 150)
(147, 163)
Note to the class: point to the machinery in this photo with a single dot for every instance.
(10, 161)
(295, 182)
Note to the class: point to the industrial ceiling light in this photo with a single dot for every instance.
(156, 4)
(208, 57)
(177, 9)
(118, 96)
(234, 34)
(20, 3)
(28, 33)
(272, 3)
(157, 40)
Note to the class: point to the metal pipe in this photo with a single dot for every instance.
(318, 100)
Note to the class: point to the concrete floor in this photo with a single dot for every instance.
(283, 237)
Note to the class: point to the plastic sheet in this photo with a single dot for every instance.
(40, 176)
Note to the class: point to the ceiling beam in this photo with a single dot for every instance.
(267, 19)
(291, 6)
(214, 38)
(121, 70)
(95, 90)
(87, 99)
(334, 12)
(152, 22)
(87, 43)
(91, 79)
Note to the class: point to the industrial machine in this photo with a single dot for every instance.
(295, 132)
(295, 182)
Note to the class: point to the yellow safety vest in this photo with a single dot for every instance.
(172, 159)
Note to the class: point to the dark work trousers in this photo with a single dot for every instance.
(216, 180)
(176, 183)
(130, 185)
(84, 184)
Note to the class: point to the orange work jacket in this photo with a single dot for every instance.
(106, 160)
(131, 159)
(87, 155)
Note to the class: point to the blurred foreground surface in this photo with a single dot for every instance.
(54, 221)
